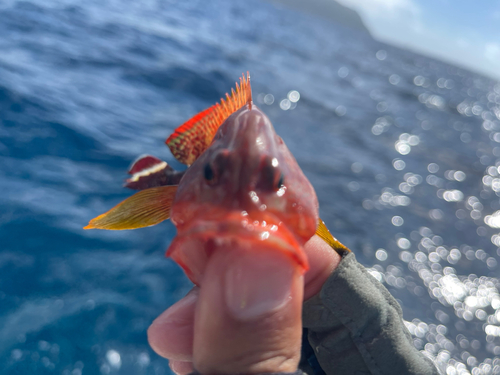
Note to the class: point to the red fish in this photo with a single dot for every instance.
(243, 189)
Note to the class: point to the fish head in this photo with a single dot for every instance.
(245, 190)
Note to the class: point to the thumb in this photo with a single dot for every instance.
(248, 315)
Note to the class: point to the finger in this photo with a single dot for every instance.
(171, 334)
(180, 367)
(248, 315)
(323, 260)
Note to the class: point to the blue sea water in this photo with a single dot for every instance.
(403, 150)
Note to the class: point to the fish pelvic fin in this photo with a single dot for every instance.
(143, 209)
(326, 236)
(193, 137)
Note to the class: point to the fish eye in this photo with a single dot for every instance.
(208, 172)
(281, 181)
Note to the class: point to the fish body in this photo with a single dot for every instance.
(243, 189)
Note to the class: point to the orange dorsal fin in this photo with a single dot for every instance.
(326, 236)
(193, 137)
(143, 209)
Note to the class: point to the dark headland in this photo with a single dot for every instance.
(328, 9)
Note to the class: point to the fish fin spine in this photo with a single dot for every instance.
(193, 137)
(326, 236)
(143, 209)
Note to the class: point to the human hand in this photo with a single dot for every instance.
(246, 317)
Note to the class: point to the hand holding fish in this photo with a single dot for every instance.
(246, 316)
(244, 212)
(249, 237)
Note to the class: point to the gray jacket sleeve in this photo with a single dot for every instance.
(355, 327)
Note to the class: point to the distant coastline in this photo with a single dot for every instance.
(333, 11)
(328, 9)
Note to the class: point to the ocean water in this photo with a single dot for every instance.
(403, 150)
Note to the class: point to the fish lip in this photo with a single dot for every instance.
(196, 241)
(238, 225)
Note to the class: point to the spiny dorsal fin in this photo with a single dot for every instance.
(143, 209)
(193, 137)
(326, 236)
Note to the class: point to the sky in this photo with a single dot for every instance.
(463, 32)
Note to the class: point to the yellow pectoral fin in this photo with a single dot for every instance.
(326, 236)
(143, 209)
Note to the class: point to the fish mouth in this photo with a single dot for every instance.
(195, 243)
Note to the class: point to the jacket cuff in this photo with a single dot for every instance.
(356, 327)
